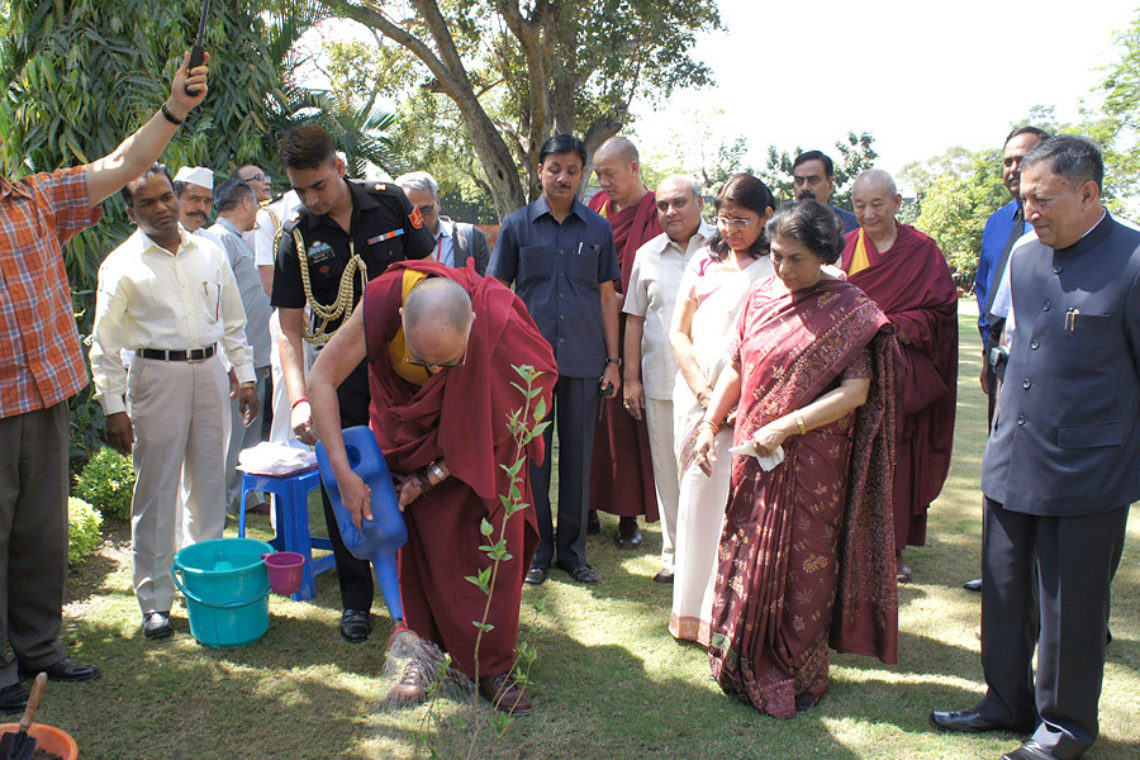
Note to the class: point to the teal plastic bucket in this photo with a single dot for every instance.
(227, 590)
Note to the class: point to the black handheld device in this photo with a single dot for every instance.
(198, 52)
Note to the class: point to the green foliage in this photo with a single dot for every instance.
(956, 193)
(514, 74)
(84, 440)
(83, 530)
(1116, 129)
(79, 77)
(855, 154)
(107, 481)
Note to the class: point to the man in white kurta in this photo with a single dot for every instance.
(171, 299)
(650, 367)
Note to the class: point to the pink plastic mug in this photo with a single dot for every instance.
(284, 571)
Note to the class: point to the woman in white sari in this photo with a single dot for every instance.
(711, 293)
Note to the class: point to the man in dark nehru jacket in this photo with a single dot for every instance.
(352, 227)
(1059, 471)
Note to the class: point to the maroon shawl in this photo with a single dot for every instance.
(794, 347)
(621, 468)
(633, 228)
(912, 284)
(459, 415)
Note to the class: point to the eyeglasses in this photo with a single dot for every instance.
(415, 361)
(730, 223)
(255, 178)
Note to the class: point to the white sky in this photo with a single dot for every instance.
(920, 76)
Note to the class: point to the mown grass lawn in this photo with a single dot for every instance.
(610, 681)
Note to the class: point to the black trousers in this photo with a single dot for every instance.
(354, 575)
(1075, 559)
(573, 410)
(33, 538)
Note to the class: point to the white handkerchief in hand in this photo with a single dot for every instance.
(767, 463)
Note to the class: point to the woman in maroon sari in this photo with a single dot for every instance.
(806, 555)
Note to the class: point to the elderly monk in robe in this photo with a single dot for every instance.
(906, 274)
(621, 469)
(440, 342)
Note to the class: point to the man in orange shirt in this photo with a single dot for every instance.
(41, 367)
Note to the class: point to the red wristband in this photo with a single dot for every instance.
(301, 400)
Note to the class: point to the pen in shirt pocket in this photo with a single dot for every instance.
(579, 249)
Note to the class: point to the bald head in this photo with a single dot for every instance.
(437, 317)
(679, 206)
(618, 170)
(876, 201)
(877, 179)
(617, 147)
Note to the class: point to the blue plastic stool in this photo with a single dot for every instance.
(291, 503)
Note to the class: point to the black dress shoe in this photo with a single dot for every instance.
(583, 574)
(536, 576)
(68, 669)
(13, 699)
(156, 625)
(593, 524)
(973, 722)
(663, 576)
(1031, 750)
(355, 625)
(974, 585)
(628, 536)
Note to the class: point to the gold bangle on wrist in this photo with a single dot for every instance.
(803, 428)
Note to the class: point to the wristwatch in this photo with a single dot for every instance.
(614, 361)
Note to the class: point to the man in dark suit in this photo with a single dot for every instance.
(1059, 470)
(455, 242)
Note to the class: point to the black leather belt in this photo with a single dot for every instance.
(193, 355)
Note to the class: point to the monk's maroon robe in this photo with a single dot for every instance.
(912, 284)
(621, 469)
(460, 416)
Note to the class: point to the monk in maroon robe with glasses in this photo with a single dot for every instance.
(621, 470)
(907, 275)
(440, 344)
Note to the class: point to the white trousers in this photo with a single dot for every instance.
(242, 437)
(659, 420)
(181, 417)
(700, 518)
(281, 431)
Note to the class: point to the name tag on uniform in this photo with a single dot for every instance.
(385, 236)
(320, 252)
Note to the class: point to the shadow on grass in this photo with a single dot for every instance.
(600, 703)
(293, 693)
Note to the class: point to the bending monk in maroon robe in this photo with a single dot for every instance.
(621, 469)
(906, 274)
(440, 344)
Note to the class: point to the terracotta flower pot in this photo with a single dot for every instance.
(48, 738)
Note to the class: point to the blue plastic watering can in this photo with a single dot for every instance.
(379, 538)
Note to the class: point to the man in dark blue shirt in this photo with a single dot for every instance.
(560, 257)
(813, 174)
(1002, 230)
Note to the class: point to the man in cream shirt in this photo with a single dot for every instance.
(650, 367)
(171, 298)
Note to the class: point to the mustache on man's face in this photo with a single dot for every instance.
(806, 195)
(197, 213)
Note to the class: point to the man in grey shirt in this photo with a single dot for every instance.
(237, 207)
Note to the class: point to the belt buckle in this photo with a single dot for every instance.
(196, 355)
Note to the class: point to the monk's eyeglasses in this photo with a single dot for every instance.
(415, 361)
